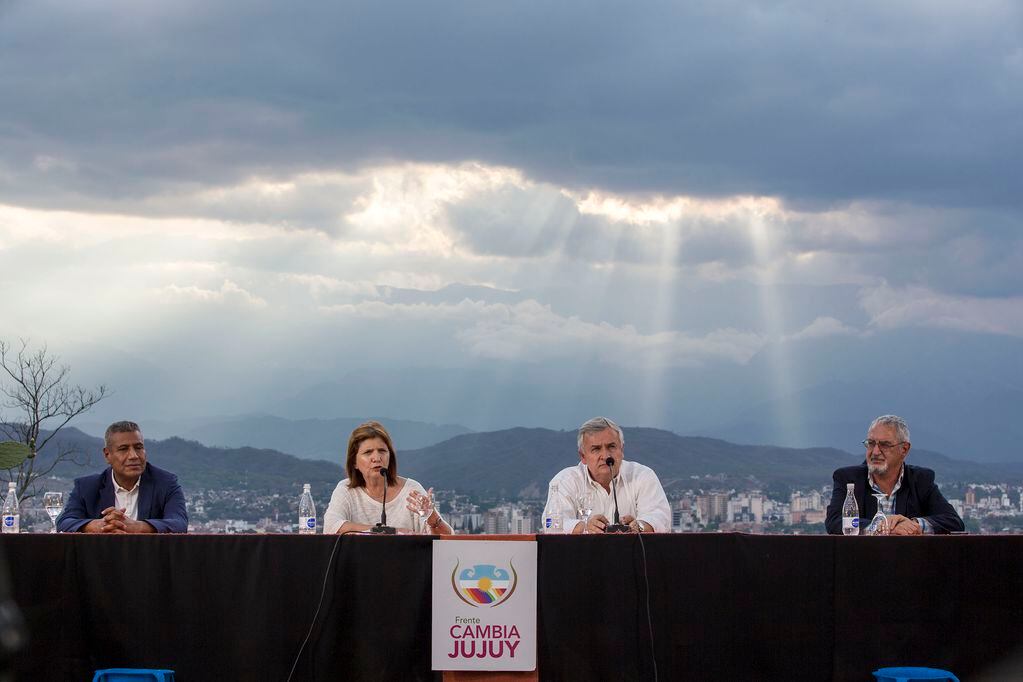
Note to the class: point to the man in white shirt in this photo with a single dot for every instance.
(642, 504)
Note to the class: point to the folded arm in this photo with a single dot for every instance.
(941, 517)
(74, 516)
(175, 516)
(653, 513)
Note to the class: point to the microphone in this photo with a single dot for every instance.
(382, 527)
(617, 526)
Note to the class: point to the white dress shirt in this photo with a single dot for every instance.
(355, 505)
(640, 495)
(128, 500)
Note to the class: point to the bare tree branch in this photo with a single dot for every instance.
(39, 392)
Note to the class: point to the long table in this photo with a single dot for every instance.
(695, 606)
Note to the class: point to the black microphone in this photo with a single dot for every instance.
(617, 526)
(382, 527)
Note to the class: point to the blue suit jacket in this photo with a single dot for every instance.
(161, 502)
(918, 497)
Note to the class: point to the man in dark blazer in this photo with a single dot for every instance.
(912, 503)
(129, 496)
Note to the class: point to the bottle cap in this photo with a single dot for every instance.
(306, 487)
(850, 486)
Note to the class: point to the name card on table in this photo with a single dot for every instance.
(484, 605)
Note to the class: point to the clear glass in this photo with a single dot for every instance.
(879, 524)
(54, 504)
(423, 510)
(584, 505)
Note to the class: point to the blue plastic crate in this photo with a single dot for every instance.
(911, 674)
(133, 675)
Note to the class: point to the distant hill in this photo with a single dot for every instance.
(201, 466)
(520, 462)
(305, 438)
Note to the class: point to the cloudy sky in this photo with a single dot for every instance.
(514, 213)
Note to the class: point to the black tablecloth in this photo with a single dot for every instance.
(721, 606)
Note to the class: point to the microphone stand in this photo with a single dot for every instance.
(617, 526)
(382, 528)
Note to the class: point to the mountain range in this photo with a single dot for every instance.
(519, 462)
(304, 438)
(961, 392)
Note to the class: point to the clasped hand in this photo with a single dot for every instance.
(598, 522)
(115, 521)
(898, 524)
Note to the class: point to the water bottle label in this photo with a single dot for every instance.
(310, 522)
(548, 522)
(9, 521)
(848, 522)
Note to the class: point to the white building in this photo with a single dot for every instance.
(521, 523)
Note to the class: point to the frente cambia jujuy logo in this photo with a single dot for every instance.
(483, 586)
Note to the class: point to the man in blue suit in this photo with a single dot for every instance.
(129, 496)
(912, 501)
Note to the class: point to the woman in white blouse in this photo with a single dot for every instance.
(355, 504)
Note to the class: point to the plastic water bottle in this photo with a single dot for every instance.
(306, 512)
(12, 514)
(850, 511)
(553, 522)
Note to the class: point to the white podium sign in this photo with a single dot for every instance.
(484, 605)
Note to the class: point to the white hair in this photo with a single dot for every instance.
(596, 425)
(898, 423)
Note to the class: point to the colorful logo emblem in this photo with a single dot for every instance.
(484, 584)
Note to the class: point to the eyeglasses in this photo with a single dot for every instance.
(882, 445)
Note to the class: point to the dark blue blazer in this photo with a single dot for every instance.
(918, 497)
(161, 502)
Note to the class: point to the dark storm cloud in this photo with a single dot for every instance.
(816, 103)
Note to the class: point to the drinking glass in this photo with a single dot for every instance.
(424, 509)
(54, 503)
(878, 524)
(584, 505)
